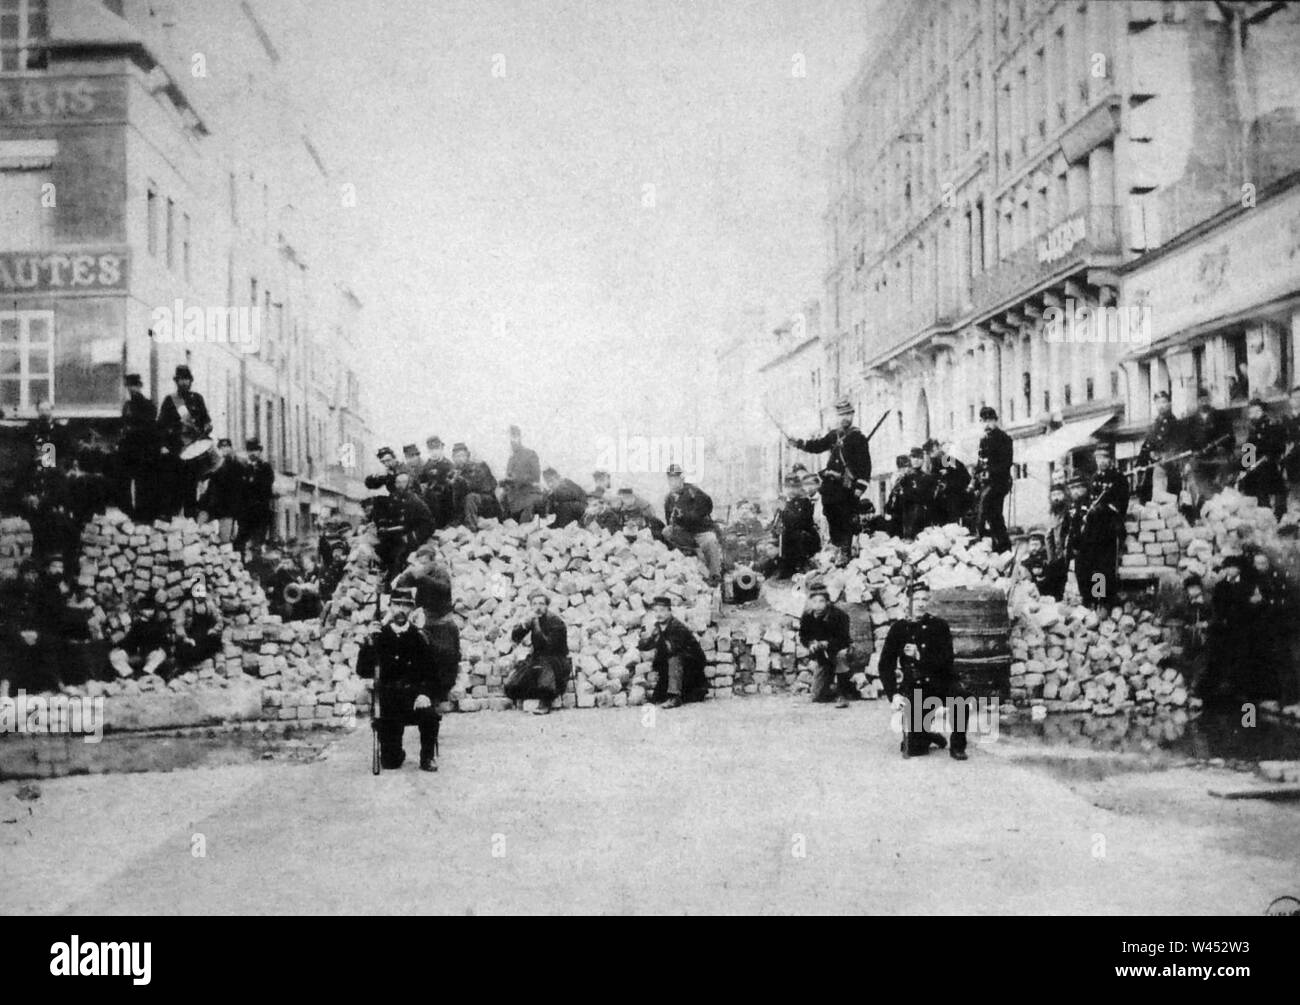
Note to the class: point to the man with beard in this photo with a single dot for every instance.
(565, 498)
(257, 498)
(434, 480)
(409, 684)
(146, 647)
(916, 664)
(47, 438)
(224, 497)
(197, 628)
(795, 533)
(1261, 474)
(1096, 560)
(993, 473)
(689, 513)
(678, 660)
(544, 673)
(137, 454)
(847, 473)
(182, 419)
(392, 468)
(1058, 542)
(825, 631)
(521, 496)
(915, 490)
(951, 485)
(1208, 431)
(409, 524)
(473, 488)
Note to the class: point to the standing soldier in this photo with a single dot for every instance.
(521, 496)
(678, 661)
(1261, 474)
(565, 498)
(137, 454)
(993, 475)
(544, 673)
(825, 631)
(408, 686)
(1291, 455)
(916, 664)
(915, 493)
(411, 525)
(1208, 432)
(435, 483)
(847, 473)
(795, 530)
(392, 468)
(1163, 438)
(1101, 537)
(224, 497)
(689, 512)
(182, 419)
(1058, 542)
(951, 485)
(258, 498)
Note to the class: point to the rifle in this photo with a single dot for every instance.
(376, 764)
(1178, 456)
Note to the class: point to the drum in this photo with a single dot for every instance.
(200, 457)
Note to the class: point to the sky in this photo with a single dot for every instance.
(565, 206)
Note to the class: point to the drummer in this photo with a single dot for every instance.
(185, 426)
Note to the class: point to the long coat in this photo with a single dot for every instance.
(674, 639)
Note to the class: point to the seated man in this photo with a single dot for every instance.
(637, 513)
(473, 488)
(197, 627)
(146, 648)
(824, 629)
(679, 659)
(544, 673)
(565, 498)
(408, 684)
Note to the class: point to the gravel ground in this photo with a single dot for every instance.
(750, 805)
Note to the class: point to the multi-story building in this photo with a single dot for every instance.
(793, 392)
(1005, 167)
(161, 203)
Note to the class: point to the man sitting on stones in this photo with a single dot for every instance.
(678, 660)
(544, 673)
(565, 498)
(146, 648)
(407, 686)
(824, 630)
(637, 514)
(197, 626)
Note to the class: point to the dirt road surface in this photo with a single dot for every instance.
(754, 805)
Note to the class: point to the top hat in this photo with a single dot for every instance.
(182, 373)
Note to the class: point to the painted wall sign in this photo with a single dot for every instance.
(1058, 241)
(61, 272)
(44, 100)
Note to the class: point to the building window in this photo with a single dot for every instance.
(171, 233)
(1088, 387)
(24, 28)
(26, 360)
(24, 221)
(151, 218)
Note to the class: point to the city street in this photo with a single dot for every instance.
(755, 805)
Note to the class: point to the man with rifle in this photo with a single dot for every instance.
(1261, 474)
(916, 664)
(403, 525)
(794, 529)
(993, 476)
(1208, 435)
(1162, 440)
(951, 485)
(409, 684)
(1101, 533)
(847, 473)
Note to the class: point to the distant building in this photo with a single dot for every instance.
(1004, 175)
(793, 392)
(162, 203)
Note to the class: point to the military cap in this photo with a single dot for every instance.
(1104, 448)
(459, 448)
(1192, 580)
(626, 490)
(674, 470)
(402, 595)
(411, 450)
(224, 442)
(1162, 396)
(514, 431)
(917, 452)
(901, 460)
(819, 589)
(792, 480)
(433, 442)
(598, 474)
(383, 452)
(987, 413)
(662, 601)
(253, 444)
(1077, 480)
(133, 380)
(844, 407)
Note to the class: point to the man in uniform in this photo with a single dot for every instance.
(544, 673)
(434, 480)
(795, 533)
(1058, 542)
(409, 525)
(473, 488)
(182, 419)
(224, 497)
(678, 660)
(565, 498)
(951, 485)
(915, 493)
(1208, 431)
(993, 474)
(392, 468)
(916, 664)
(409, 686)
(847, 473)
(689, 512)
(48, 439)
(521, 497)
(637, 513)
(1096, 562)
(1034, 565)
(197, 628)
(1261, 470)
(146, 647)
(137, 454)
(1163, 438)
(1291, 455)
(602, 483)
(825, 631)
(258, 498)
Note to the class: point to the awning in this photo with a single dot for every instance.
(1057, 444)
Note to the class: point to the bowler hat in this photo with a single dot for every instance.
(253, 444)
(133, 380)
(661, 601)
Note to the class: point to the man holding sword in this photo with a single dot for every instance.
(847, 473)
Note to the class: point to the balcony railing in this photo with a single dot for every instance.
(1089, 232)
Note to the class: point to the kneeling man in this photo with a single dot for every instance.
(545, 673)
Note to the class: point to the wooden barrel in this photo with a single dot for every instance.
(860, 631)
(981, 637)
